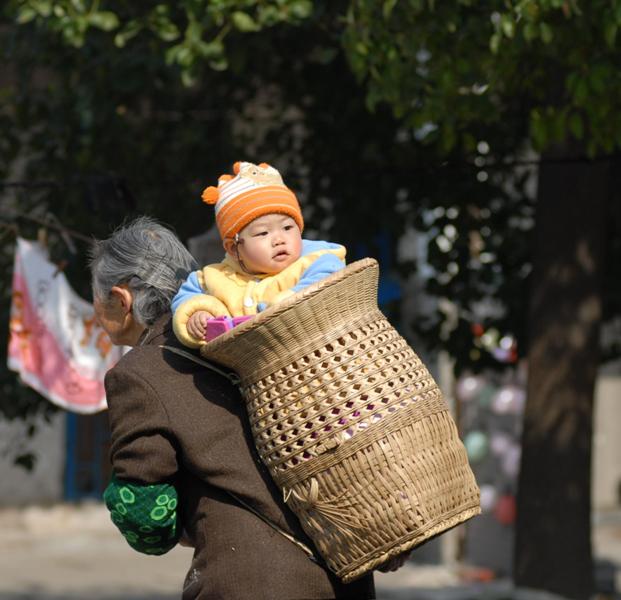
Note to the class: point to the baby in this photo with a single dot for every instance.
(261, 224)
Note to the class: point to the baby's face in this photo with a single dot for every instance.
(269, 244)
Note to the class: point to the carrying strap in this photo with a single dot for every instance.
(232, 377)
(235, 380)
(279, 529)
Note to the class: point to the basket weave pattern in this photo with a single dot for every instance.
(350, 423)
(338, 391)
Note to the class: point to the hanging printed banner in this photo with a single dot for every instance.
(55, 344)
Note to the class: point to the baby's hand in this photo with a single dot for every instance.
(197, 324)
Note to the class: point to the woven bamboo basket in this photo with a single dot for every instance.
(349, 422)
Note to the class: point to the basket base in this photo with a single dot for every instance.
(388, 489)
(408, 542)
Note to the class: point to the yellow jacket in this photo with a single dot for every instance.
(225, 289)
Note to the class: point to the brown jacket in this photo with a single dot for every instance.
(174, 420)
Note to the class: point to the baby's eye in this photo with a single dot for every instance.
(259, 233)
(288, 227)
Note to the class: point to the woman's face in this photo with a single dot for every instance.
(116, 318)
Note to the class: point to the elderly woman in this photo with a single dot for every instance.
(181, 450)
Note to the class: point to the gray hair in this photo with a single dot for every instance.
(146, 256)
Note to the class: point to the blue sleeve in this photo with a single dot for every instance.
(325, 265)
(190, 287)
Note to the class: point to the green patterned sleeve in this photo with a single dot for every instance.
(146, 515)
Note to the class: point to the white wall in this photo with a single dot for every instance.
(44, 484)
(607, 443)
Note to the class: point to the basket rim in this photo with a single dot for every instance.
(212, 347)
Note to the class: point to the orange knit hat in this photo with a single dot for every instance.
(255, 190)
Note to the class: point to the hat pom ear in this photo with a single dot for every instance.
(210, 195)
(236, 167)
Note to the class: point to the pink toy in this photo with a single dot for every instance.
(219, 325)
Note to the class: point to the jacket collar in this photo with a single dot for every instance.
(156, 333)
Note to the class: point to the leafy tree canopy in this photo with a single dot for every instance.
(553, 61)
(442, 67)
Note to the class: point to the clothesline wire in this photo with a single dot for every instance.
(419, 168)
(66, 231)
(48, 224)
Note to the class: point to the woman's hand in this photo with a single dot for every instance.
(394, 563)
(185, 539)
(197, 324)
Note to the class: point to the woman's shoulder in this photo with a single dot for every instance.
(163, 361)
(140, 360)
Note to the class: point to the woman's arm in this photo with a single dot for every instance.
(141, 496)
(145, 515)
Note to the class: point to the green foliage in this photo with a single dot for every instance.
(460, 64)
(72, 18)
(192, 32)
(454, 65)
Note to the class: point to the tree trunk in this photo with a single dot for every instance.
(553, 531)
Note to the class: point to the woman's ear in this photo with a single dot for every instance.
(124, 298)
